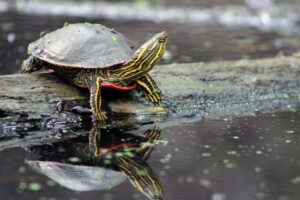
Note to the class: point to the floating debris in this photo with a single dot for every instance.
(11, 37)
(296, 180)
(218, 196)
(34, 186)
(205, 183)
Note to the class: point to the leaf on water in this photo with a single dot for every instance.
(161, 142)
(34, 186)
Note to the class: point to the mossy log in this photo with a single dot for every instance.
(195, 90)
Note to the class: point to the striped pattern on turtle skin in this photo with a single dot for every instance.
(149, 89)
(94, 139)
(147, 144)
(134, 71)
(143, 60)
(141, 176)
(95, 100)
(134, 166)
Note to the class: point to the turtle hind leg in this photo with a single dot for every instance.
(149, 89)
(31, 64)
(95, 100)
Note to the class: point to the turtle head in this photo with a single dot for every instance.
(145, 58)
(152, 50)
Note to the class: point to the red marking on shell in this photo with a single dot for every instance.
(114, 147)
(83, 86)
(117, 87)
(48, 69)
(117, 147)
(114, 86)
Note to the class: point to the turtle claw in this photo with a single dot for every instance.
(31, 64)
(100, 116)
(27, 66)
(154, 98)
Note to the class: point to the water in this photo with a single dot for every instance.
(241, 158)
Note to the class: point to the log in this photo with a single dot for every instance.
(28, 102)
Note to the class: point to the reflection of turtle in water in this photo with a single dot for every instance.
(92, 55)
(102, 164)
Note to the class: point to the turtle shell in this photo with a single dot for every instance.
(83, 45)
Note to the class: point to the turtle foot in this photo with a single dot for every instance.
(30, 65)
(154, 98)
(27, 66)
(100, 116)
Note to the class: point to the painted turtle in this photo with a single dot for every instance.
(92, 55)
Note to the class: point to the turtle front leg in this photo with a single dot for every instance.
(95, 100)
(31, 64)
(149, 89)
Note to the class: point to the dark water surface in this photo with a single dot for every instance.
(238, 159)
(246, 158)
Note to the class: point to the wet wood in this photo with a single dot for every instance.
(197, 89)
